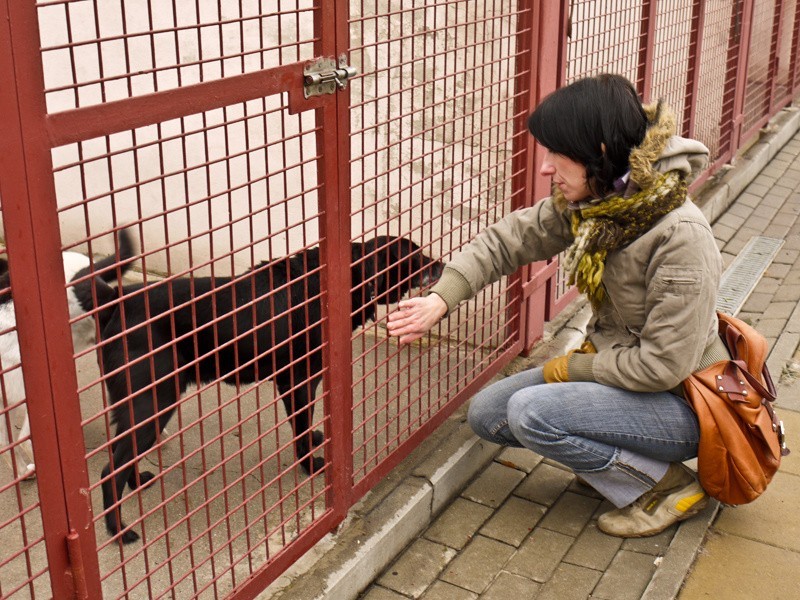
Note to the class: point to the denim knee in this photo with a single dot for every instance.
(484, 418)
(528, 423)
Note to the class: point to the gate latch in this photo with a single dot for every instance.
(324, 76)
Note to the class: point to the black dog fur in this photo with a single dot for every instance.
(160, 337)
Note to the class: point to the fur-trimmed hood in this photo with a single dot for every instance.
(661, 151)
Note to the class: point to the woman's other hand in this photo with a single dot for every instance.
(415, 317)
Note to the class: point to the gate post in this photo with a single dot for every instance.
(30, 220)
(742, 25)
(548, 51)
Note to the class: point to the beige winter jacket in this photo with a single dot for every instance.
(657, 322)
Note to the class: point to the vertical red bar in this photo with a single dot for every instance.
(523, 144)
(647, 40)
(335, 150)
(744, 29)
(794, 55)
(549, 49)
(693, 70)
(774, 56)
(32, 232)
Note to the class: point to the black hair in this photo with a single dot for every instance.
(576, 121)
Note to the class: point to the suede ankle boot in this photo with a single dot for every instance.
(678, 496)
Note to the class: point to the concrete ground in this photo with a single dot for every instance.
(463, 519)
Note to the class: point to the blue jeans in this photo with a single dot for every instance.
(620, 442)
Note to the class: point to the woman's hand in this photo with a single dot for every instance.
(415, 317)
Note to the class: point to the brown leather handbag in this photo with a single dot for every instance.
(741, 439)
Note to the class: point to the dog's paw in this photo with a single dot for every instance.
(122, 533)
(128, 537)
(145, 480)
(312, 465)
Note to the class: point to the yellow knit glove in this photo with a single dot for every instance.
(556, 370)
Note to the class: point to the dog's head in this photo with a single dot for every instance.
(387, 267)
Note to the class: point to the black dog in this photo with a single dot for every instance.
(266, 323)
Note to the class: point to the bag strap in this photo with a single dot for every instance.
(732, 337)
(767, 392)
(729, 379)
(728, 385)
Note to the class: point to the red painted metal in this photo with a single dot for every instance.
(693, 68)
(553, 26)
(794, 52)
(647, 38)
(36, 272)
(336, 225)
(201, 141)
(89, 122)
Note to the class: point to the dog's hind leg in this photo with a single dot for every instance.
(124, 470)
(127, 450)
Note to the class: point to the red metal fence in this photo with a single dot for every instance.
(187, 125)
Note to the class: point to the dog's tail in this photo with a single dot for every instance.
(94, 292)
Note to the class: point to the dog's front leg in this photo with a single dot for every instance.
(298, 399)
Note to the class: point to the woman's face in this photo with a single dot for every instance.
(567, 174)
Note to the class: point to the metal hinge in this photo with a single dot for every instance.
(325, 76)
(81, 592)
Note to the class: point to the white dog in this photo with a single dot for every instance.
(83, 334)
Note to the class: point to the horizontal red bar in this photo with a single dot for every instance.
(100, 120)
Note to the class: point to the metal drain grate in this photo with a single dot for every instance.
(744, 273)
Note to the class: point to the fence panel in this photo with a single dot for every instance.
(435, 125)
(785, 38)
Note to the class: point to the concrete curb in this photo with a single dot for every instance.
(395, 513)
(386, 521)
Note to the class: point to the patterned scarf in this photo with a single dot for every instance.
(614, 223)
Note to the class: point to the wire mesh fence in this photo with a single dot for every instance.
(199, 254)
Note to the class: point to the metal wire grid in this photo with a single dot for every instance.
(763, 36)
(432, 142)
(97, 52)
(450, 174)
(23, 564)
(604, 37)
(717, 65)
(788, 46)
(795, 52)
(209, 194)
(671, 60)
